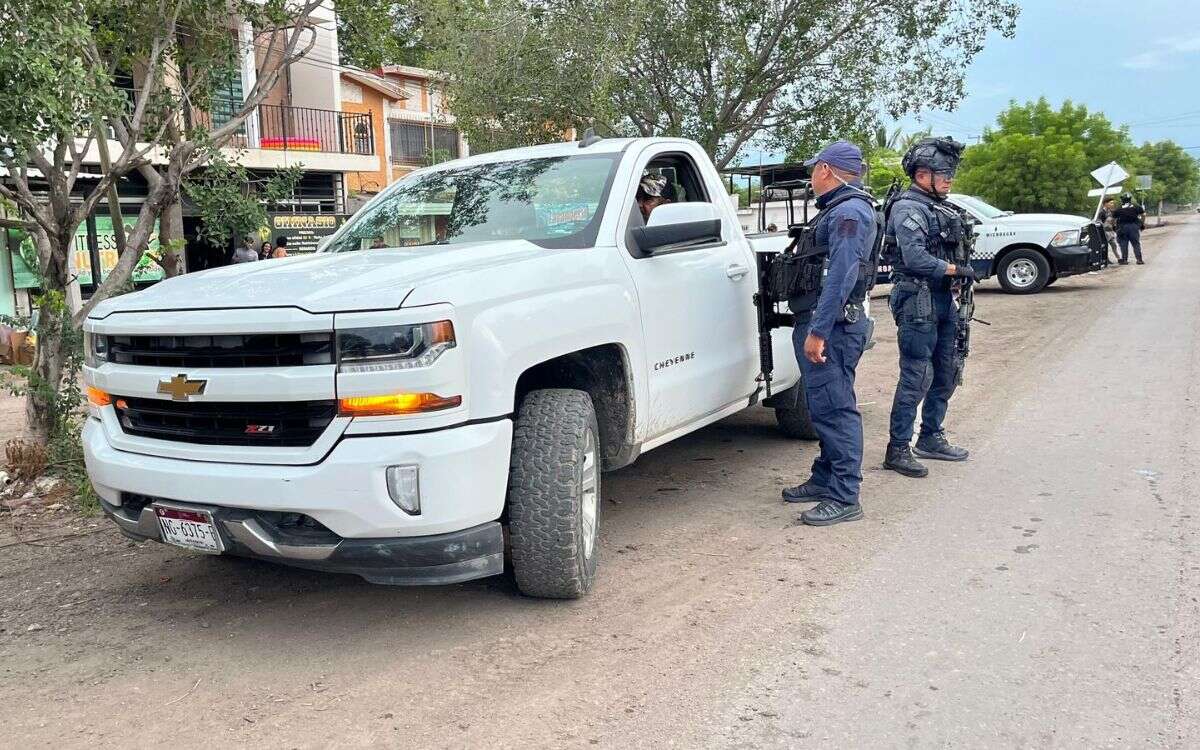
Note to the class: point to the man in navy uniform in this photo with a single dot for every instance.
(1129, 218)
(831, 332)
(927, 234)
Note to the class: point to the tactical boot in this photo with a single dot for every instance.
(937, 447)
(830, 512)
(900, 459)
(804, 493)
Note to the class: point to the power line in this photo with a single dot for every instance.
(1167, 118)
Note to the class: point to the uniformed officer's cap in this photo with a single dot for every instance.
(843, 155)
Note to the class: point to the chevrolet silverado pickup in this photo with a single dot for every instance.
(438, 390)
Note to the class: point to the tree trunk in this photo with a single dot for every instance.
(51, 351)
(171, 242)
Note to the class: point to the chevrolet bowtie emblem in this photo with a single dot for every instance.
(180, 388)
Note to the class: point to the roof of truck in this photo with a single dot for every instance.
(567, 148)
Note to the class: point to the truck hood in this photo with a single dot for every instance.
(1055, 222)
(323, 282)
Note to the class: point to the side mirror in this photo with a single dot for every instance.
(676, 226)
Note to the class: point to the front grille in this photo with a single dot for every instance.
(271, 424)
(232, 350)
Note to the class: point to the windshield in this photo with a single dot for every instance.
(986, 210)
(553, 202)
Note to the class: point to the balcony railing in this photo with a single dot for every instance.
(280, 127)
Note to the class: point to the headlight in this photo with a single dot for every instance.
(1065, 237)
(393, 347)
(95, 349)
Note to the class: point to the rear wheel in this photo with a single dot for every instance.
(554, 494)
(796, 422)
(1024, 272)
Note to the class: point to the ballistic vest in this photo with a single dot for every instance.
(814, 260)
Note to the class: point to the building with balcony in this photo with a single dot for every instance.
(413, 126)
(301, 123)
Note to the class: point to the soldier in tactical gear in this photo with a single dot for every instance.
(927, 235)
(1129, 219)
(831, 331)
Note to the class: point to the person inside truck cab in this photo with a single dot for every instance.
(653, 191)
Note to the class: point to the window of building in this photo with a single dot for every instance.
(420, 143)
(227, 99)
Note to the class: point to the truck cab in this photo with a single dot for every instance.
(439, 389)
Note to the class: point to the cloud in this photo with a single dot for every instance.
(1184, 44)
(1153, 60)
(1162, 53)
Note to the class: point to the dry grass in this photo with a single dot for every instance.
(25, 459)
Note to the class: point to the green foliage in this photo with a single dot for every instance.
(232, 203)
(784, 76)
(64, 399)
(883, 167)
(1040, 159)
(1176, 175)
(372, 33)
(47, 86)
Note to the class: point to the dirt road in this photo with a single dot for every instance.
(1042, 594)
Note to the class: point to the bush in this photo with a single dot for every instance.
(62, 453)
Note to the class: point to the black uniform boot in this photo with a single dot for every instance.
(830, 512)
(937, 447)
(805, 493)
(900, 459)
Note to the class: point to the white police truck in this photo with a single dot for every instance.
(1028, 252)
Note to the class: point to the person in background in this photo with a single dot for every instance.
(1108, 223)
(772, 228)
(378, 243)
(1129, 218)
(247, 252)
(265, 250)
(653, 191)
(280, 250)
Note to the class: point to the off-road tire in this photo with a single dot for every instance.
(1038, 271)
(551, 554)
(796, 423)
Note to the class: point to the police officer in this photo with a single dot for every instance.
(1129, 218)
(927, 233)
(831, 332)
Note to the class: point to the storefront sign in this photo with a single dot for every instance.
(106, 242)
(303, 231)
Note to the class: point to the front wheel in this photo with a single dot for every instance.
(1024, 272)
(554, 494)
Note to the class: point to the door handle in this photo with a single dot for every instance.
(736, 271)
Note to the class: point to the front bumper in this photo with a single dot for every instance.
(1070, 260)
(463, 477)
(458, 556)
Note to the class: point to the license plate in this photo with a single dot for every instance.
(193, 529)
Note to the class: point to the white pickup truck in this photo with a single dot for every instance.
(446, 379)
(1028, 252)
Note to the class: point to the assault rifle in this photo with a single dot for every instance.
(885, 252)
(965, 301)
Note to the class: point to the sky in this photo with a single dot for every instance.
(1137, 61)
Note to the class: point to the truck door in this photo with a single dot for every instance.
(696, 303)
